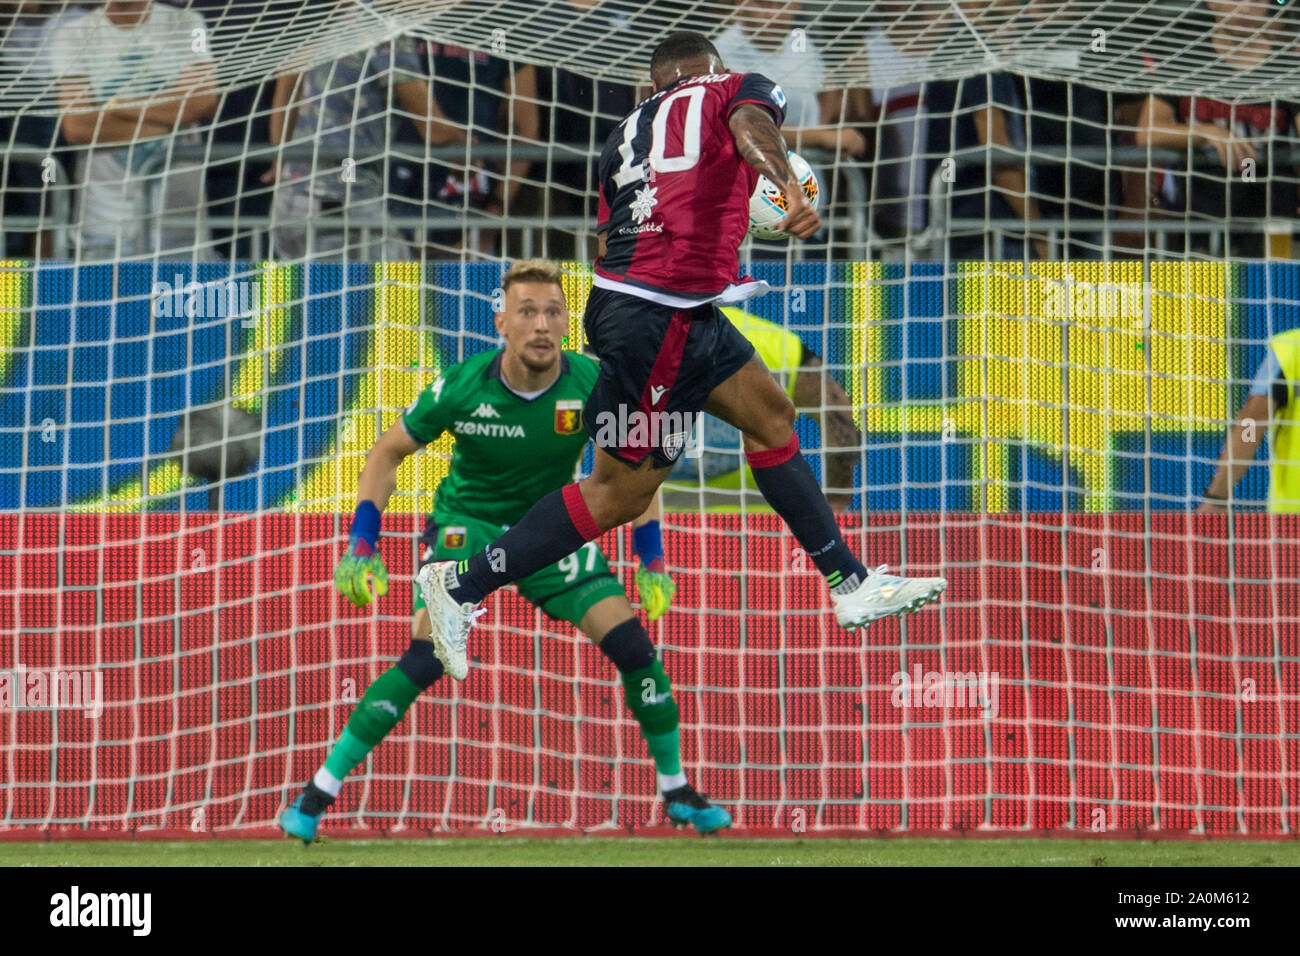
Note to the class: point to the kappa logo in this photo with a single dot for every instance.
(656, 392)
(485, 411)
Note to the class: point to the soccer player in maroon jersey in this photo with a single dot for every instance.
(675, 181)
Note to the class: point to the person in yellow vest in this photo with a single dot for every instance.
(716, 459)
(1272, 401)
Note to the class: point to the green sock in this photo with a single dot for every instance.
(348, 751)
(377, 713)
(666, 749)
(649, 697)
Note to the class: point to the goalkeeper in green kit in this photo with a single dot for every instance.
(516, 415)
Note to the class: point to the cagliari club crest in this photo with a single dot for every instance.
(568, 416)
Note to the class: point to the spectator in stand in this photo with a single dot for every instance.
(719, 477)
(967, 117)
(582, 114)
(25, 63)
(131, 86)
(763, 37)
(493, 98)
(1238, 34)
(901, 48)
(346, 106)
(1273, 403)
(234, 187)
(1069, 117)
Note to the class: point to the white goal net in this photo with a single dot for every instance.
(1056, 275)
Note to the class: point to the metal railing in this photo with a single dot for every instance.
(59, 221)
(849, 216)
(930, 243)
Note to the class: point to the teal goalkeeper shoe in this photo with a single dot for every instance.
(686, 807)
(296, 823)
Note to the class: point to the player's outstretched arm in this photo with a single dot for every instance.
(361, 575)
(760, 144)
(378, 478)
(655, 588)
(1239, 451)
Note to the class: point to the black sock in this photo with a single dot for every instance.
(554, 528)
(315, 800)
(786, 481)
(419, 665)
(628, 646)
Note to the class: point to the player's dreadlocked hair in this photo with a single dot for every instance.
(683, 45)
(546, 271)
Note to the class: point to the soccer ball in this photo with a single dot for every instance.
(218, 442)
(767, 206)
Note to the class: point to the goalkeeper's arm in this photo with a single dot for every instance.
(654, 587)
(361, 565)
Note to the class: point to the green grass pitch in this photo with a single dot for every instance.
(613, 851)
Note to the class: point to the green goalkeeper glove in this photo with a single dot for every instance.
(356, 571)
(361, 564)
(655, 590)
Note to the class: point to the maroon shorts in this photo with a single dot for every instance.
(658, 366)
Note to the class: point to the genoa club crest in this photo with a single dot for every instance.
(568, 416)
(453, 538)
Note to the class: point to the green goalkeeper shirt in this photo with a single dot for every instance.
(509, 451)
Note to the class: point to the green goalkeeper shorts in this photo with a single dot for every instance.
(566, 590)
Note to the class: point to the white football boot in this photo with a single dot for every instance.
(884, 595)
(449, 619)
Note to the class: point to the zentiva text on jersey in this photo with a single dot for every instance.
(509, 451)
(674, 191)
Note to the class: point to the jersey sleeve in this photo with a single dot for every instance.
(1270, 381)
(758, 89)
(433, 409)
